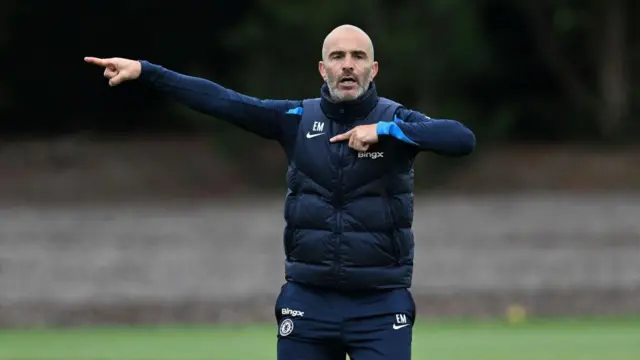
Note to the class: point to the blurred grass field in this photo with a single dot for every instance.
(455, 340)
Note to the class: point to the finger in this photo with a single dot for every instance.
(116, 80)
(110, 72)
(341, 137)
(97, 61)
(355, 144)
(360, 146)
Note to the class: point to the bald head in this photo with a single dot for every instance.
(347, 64)
(349, 33)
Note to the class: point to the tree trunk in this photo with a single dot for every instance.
(613, 83)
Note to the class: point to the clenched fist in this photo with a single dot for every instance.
(117, 70)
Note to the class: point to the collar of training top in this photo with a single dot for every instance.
(348, 111)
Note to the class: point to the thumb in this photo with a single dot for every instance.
(341, 137)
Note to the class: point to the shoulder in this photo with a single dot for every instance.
(310, 102)
(402, 113)
(408, 115)
(298, 107)
(388, 103)
(388, 107)
(284, 106)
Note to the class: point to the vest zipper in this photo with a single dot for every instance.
(343, 149)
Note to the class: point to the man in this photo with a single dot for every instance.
(349, 209)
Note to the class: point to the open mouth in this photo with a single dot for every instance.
(348, 80)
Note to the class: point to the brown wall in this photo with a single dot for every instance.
(223, 262)
(163, 230)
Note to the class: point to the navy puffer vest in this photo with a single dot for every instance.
(348, 213)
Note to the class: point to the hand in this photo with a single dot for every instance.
(117, 70)
(360, 137)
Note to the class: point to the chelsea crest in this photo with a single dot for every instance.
(286, 327)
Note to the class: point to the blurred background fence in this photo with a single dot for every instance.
(117, 205)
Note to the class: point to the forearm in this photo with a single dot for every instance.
(263, 117)
(445, 137)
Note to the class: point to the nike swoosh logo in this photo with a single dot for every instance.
(397, 327)
(311, 136)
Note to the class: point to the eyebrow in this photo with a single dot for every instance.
(354, 52)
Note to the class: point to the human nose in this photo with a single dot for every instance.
(348, 63)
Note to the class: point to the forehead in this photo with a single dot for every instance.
(347, 41)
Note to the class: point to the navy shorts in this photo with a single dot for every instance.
(316, 324)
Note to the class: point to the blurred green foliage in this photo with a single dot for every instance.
(512, 70)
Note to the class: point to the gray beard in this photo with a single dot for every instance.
(337, 98)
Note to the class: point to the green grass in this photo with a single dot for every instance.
(539, 340)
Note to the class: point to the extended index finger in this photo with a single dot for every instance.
(96, 61)
(342, 137)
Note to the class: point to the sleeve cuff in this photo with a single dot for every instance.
(148, 71)
(384, 127)
(391, 128)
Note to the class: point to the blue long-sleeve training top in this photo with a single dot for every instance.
(270, 118)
